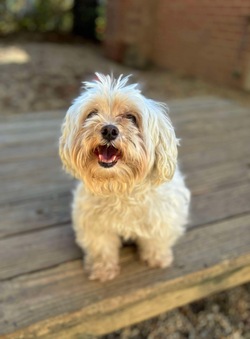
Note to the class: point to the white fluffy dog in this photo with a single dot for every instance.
(123, 149)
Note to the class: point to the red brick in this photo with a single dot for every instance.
(202, 38)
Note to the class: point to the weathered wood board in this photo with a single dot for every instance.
(44, 292)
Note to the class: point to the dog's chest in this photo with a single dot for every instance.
(128, 217)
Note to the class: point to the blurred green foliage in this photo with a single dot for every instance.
(101, 20)
(49, 16)
(35, 15)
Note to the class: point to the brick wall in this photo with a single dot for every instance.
(209, 39)
(129, 30)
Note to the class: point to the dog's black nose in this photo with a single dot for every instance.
(110, 132)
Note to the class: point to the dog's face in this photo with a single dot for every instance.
(113, 138)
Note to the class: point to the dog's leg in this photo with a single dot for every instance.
(155, 252)
(101, 254)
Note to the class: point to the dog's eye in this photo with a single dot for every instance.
(93, 112)
(132, 118)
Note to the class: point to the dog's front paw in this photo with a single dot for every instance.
(104, 271)
(158, 260)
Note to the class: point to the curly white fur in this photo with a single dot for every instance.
(141, 195)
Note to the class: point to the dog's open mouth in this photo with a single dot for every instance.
(107, 155)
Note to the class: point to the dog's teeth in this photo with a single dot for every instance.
(102, 159)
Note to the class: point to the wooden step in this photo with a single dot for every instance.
(44, 292)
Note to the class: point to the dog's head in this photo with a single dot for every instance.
(113, 138)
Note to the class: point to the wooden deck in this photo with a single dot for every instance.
(44, 292)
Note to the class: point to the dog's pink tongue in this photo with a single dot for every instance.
(107, 153)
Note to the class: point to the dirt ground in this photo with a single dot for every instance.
(38, 76)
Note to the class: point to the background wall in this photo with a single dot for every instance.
(203, 38)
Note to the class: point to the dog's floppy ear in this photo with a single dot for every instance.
(165, 143)
(66, 140)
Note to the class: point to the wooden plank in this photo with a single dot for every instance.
(190, 153)
(46, 122)
(204, 126)
(35, 214)
(36, 186)
(216, 192)
(36, 129)
(218, 177)
(61, 302)
(201, 103)
(228, 145)
(199, 136)
(235, 135)
(212, 115)
(218, 205)
(183, 103)
(216, 156)
(206, 208)
(36, 150)
(206, 129)
(31, 116)
(220, 153)
(45, 175)
(31, 137)
(31, 166)
(37, 250)
(33, 179)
